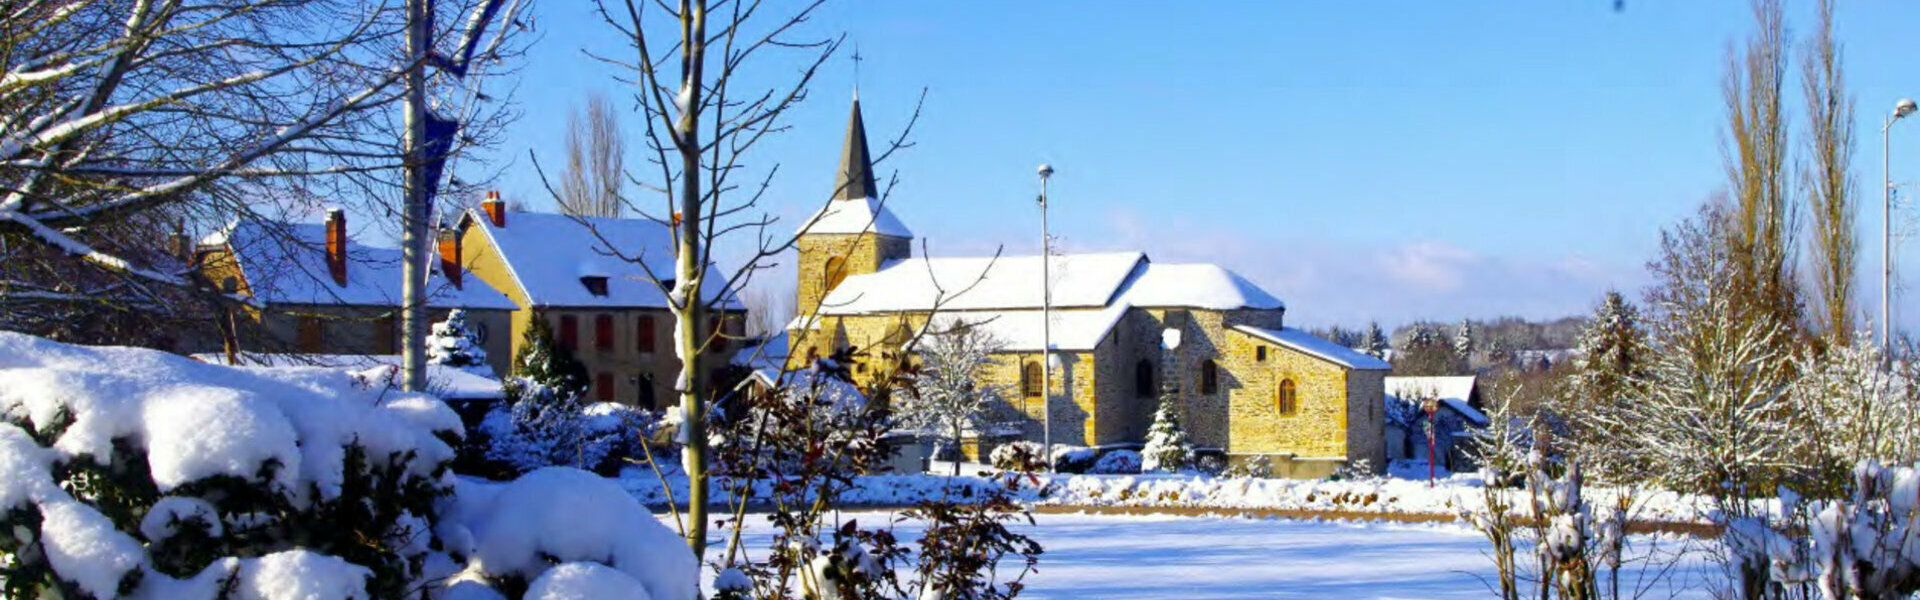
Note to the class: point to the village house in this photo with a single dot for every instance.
(308, 289)
(1457, 411)
(1248, 384)
(589, 279)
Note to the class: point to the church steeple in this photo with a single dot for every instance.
(855, 179)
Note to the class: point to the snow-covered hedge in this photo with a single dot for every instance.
(137, 473)
(1118, 462)
(1021, 456)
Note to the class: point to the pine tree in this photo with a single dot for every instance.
(1167, 448)
(543, 422)
(453, 344)
(1463, 342)
(544, 362)
(1376, 342)
(1610, 361)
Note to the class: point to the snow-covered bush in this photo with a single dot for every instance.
(1072, 459)
(1259, 466)
(1117, 462)
(546, 419)
(1167, 448)
(133, 473)
(1021, 456)
(452, 343)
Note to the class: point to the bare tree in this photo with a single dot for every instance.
(951, 393)
(590, 187)
(767, 310)
(1763, 218)
(699, 122)
(1829, 179)
(124, 117)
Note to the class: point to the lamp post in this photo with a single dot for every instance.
(1046, 318)
(1900, 109)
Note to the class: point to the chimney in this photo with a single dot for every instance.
(450, 256)
(495, 209)
(337, 245)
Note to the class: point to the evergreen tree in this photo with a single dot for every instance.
(1167, 448)
(544, 362)
(1612, 352)
(1463, 342)
(453, 344)
(1376, 342)
(543, 422)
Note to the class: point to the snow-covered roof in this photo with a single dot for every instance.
(1096, 280)
(1317, 347)
(861, 215)
(1455, 391)
(1006, 282)
(770, 353)
(286, 263)
(1020, 331)
(451, 383)
(1197, 285)
(548, 254)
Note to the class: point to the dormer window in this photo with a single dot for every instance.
(596, 284)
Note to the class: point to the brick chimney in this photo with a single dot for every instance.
(495, 209)
(337, 245)
(450, 256)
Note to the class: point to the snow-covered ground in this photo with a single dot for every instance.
(1200, 558)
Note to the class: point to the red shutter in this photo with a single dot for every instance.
(603, 387)
(603, 333)
(644, 334)
(569, 333)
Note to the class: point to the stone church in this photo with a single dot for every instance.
(1248, 384)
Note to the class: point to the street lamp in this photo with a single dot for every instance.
(1046, 318)
(1900, 109)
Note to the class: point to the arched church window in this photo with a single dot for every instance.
(836, 272)
(1285, 400)
(1143, 379)
(1030, 380)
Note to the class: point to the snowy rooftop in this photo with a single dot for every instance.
(861, 215)
(1019, 330)
(548, 254)
(1456, 392)
(286, 263)
(1313, 345)
(1097, 280)
(450, 383)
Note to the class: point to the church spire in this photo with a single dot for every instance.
(855, 179)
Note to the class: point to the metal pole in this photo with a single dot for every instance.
(1046, 320)
(1886, 237)
(413, 217)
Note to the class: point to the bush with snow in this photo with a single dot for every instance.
(1117, 462)
(1167, 448)
(136, 473)
(452, 343)
(1072, 459)
(1021, 456)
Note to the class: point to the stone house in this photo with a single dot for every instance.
(1458, 410)
(1248, 384)
(589, 278)
(309, 289)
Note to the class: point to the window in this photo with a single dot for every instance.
(835, 273)
(1030, 380)
(603, 332)
(1285, 400)
(1143, 379)
(643, 334)
(313, 334)
(1260, 354)
(603, 387)
(1209, 377)
(229, 285)
(386, 335)
(569, 333)
(596, 285)
(645, 398)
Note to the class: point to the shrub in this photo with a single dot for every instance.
(1118, 462)
(1072, 459)
(1021, 456)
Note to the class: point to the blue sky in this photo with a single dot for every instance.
(1362, 160)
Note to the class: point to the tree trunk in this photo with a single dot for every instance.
(688, 269)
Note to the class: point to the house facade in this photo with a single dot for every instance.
(1247, 384)
(309, 289)
(592, 280)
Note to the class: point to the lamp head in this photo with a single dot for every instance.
(1904, 107)
(1046, 170)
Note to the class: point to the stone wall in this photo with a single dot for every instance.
(864, 254)
(1318, 427)
(1366, 428)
